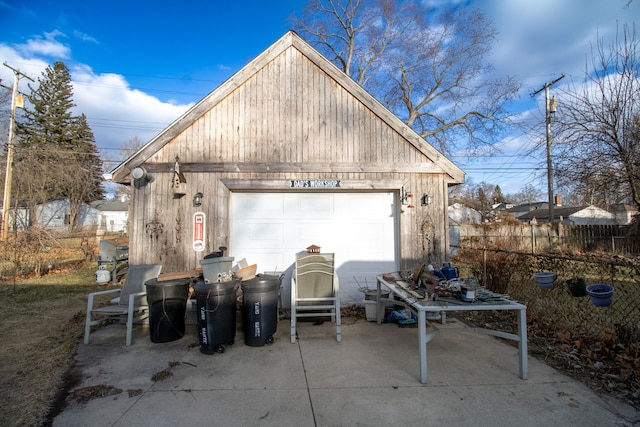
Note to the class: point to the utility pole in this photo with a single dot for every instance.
(6, 200)
(550, 108)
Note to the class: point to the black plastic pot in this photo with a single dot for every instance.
(577, 287)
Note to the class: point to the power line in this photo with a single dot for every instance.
(550, 108)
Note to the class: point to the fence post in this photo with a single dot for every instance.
(533, 235)
(613, 244)
(484, 267)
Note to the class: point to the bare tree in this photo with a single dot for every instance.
(427, 65)
(527, 194)
(598, 141)
(127, 149)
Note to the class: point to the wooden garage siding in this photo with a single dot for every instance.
(173, 245)
(260, 122)
(287, 120)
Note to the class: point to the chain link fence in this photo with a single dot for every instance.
(556, 310)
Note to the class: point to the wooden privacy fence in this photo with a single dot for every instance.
(536, 238)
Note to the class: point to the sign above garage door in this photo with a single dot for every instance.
(314, 183)
(360, 228)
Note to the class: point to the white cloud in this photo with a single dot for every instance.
(84, 37)
(47, 46)
(116, 112)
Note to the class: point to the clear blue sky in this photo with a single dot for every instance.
(137, 66)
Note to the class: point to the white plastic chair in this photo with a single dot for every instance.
(314, 290)
(130, 303)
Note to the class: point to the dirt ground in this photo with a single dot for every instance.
(42, 325)
(604, 365)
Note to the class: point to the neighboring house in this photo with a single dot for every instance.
(464, 215)
(113, 214)
(581, 215)
(55, 214)
(287, 153)
(459, 216)
(524, 208)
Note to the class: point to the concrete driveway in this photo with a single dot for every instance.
(370, 379)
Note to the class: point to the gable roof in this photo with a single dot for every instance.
(567, 212)
(526, 207)
(290, 39)
(110, 205)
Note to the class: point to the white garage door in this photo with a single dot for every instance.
(268, 229)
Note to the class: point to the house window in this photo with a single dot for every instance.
(67, 219)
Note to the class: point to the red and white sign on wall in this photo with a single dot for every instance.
(199, 225)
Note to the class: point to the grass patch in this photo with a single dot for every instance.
(42, 322)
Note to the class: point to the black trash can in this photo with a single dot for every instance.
(167, 306)
(216, 303)
(260, 309)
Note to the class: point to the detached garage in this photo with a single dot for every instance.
(287, 153)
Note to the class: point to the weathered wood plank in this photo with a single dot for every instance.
(262, 167)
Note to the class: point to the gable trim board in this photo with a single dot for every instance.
(290, 39)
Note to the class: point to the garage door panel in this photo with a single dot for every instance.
(269, 260)
(364, 207)
(269, 229)
(260, 205)
(264, 234)
(312, 232)
(321, 206)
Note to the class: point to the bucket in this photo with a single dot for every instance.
(545, 279)
(600, 294)
(370, 310)
(213, 269)
(371, 294)
(103, 275)
(577, 287)
(449, 272)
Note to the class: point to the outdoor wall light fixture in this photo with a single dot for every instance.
(425, 199)
(405, 196)
(197, 199)
(141, 173)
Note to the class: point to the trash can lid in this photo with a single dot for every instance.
(262, 282)
(174, 282)
(216, 260)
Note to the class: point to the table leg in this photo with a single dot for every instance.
(522, 344)
(422, 345)
(379, 309)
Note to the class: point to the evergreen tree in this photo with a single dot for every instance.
(56, 153)
(498, 197)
